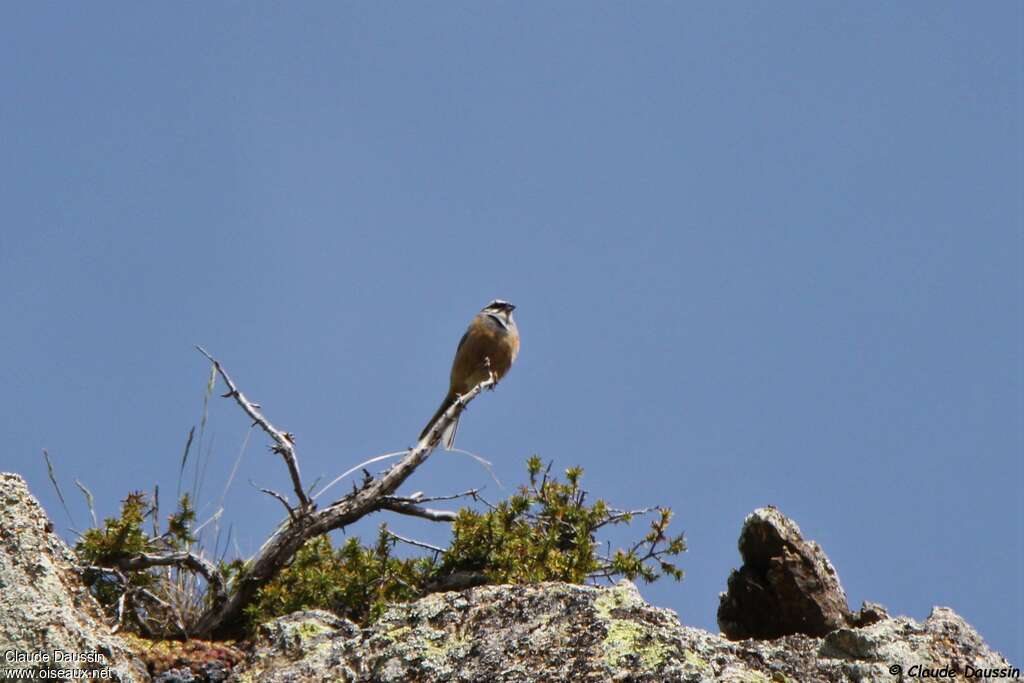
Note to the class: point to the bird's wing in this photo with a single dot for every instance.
(461, 342)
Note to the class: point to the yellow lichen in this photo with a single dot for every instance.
(395, 633)
(625, 637)
(694, 660)
(308, 629)
(629, 638)
(619, 596)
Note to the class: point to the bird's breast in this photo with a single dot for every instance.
(485, 340)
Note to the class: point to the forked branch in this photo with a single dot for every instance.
(375, 493)
(283, 441)
(179, 559)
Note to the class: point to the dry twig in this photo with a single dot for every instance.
(283, 440)
(372, 495)
(221, 617)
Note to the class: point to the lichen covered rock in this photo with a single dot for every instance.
(562, 632)
(515, 633)
(48, 619)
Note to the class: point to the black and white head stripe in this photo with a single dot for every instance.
(500, 311)
(499, 305)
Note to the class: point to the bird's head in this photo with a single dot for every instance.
(499, 306)
(501, 312)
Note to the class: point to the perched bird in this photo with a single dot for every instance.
(489, 345)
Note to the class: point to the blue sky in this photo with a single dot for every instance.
(762, 253)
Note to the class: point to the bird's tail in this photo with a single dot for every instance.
(448, 435)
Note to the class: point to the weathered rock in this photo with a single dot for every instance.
(291, 634)
(786, 584)
(543, 632)
(869, 613)
(561, 632)
(47, 617)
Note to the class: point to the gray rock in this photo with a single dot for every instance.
(47, 617)
(542, 632)
(562, 632)
(292, 634)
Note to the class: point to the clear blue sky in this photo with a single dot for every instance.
(762, 252)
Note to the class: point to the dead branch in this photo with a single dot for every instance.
(407, 507)
(480, 499)
(222, 616)
(283, 440)
(179, 559)
(373, 494)
(418, 497)
(418, 544)
(278, 496)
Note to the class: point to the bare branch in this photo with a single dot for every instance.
(406, 507)
(283, 440)
(308, 523)
(179, 559)
(418, 544)
(418, 497)
(479, 498)
(284, 501)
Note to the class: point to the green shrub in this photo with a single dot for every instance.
(546, 531)
(355, 581)
(156, 601)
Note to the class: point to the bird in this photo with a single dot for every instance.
(490, 345)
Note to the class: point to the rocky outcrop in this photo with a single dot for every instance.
(542, 632)
(786, 584)
(48, 620)
(560, 632)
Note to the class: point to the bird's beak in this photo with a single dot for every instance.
(510, 307)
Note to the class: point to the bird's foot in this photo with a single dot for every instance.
(491, 378)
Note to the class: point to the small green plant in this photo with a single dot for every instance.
(145, 601)
(355, 581)
(544, 532)
(547, 532)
